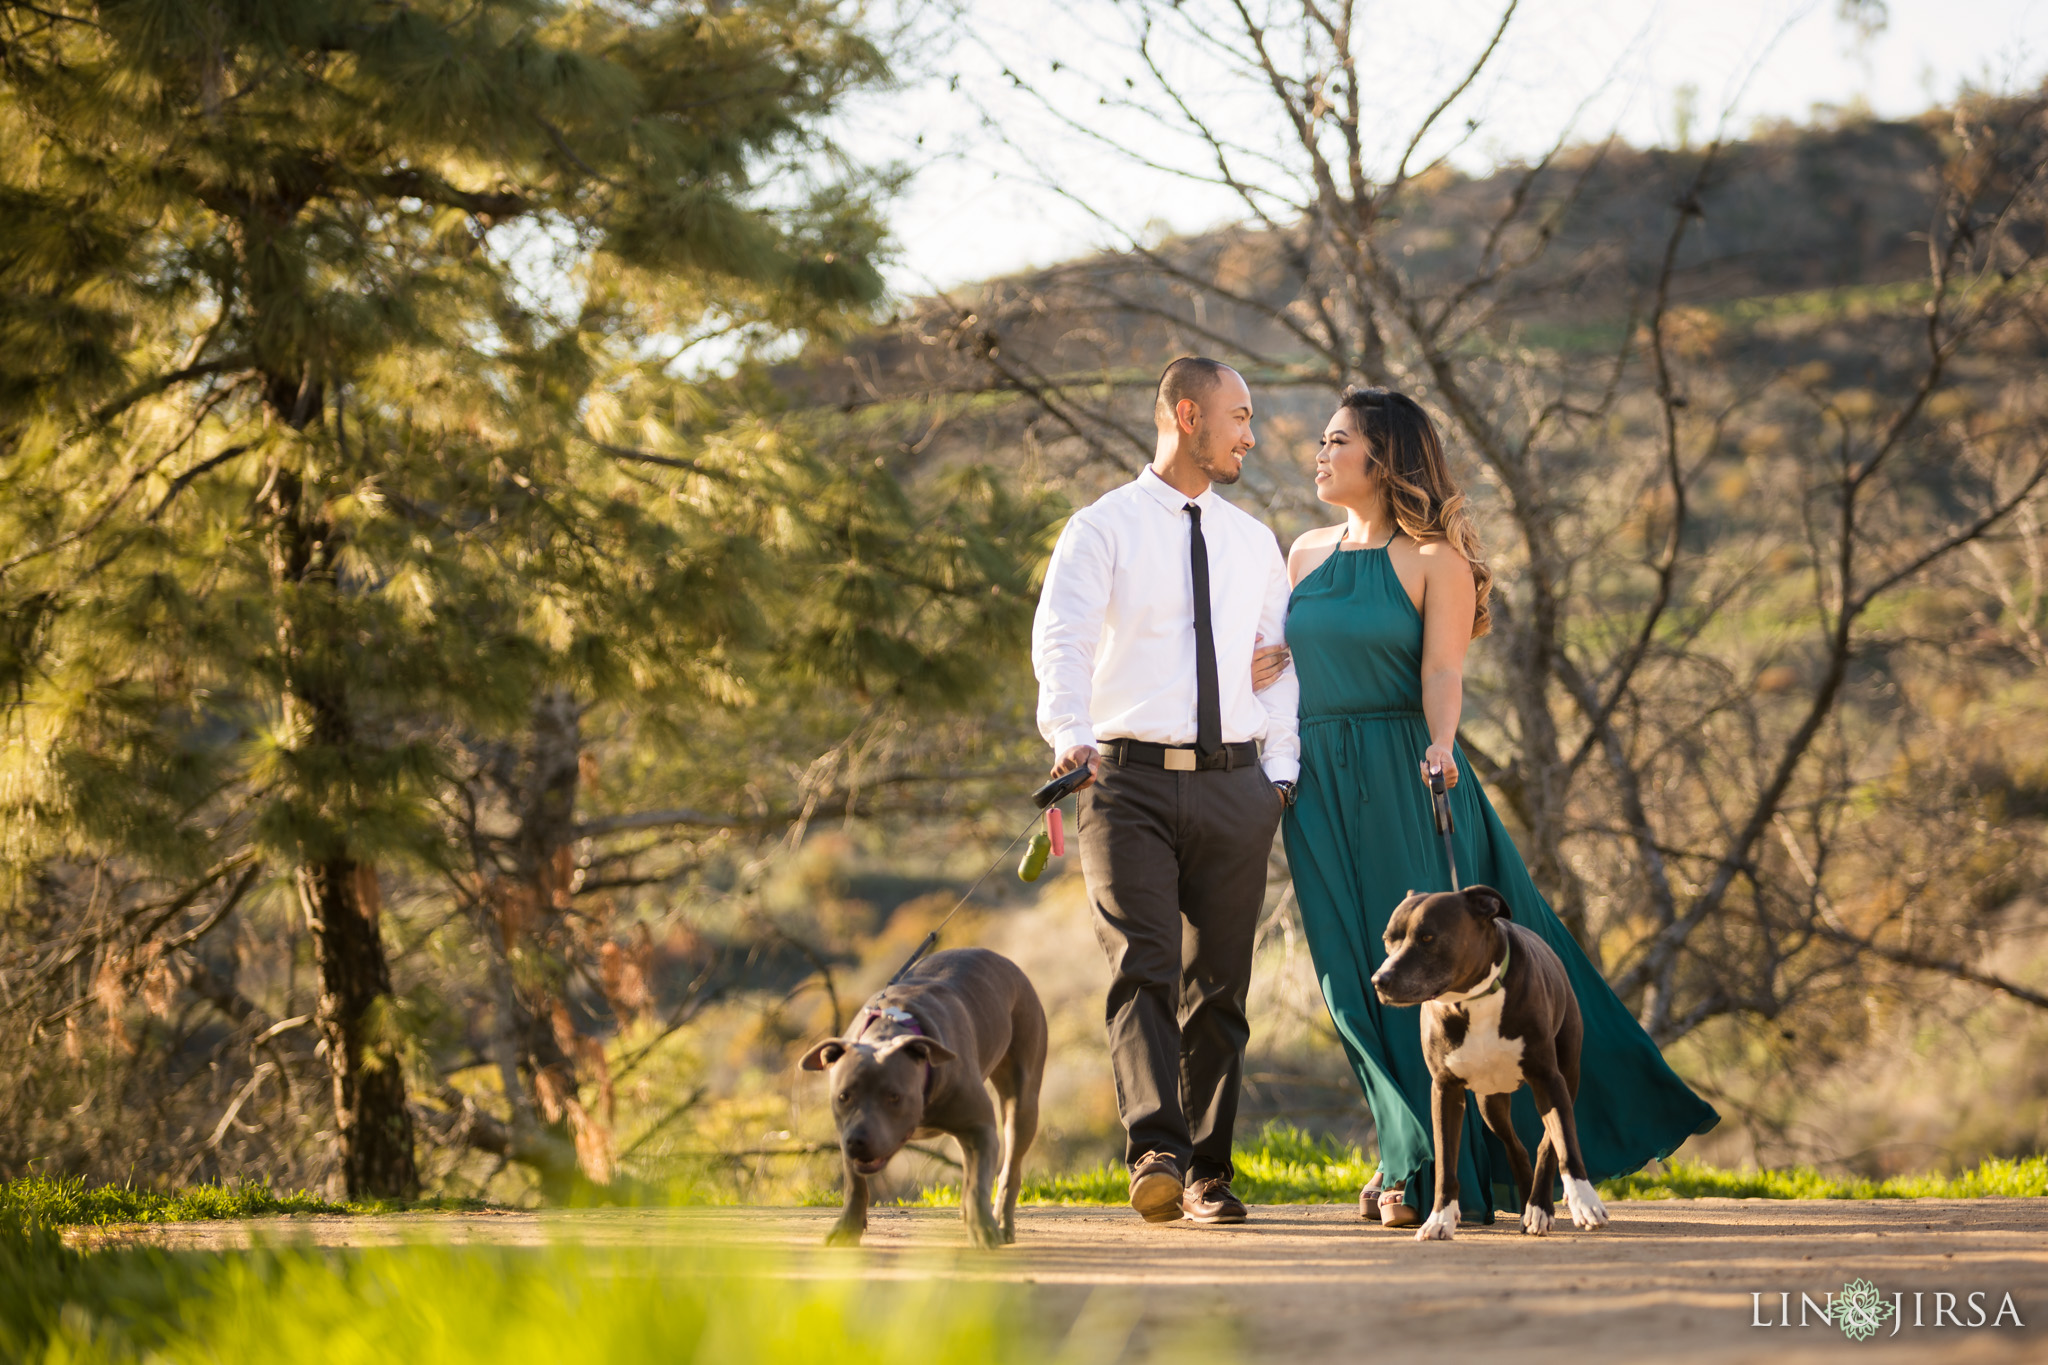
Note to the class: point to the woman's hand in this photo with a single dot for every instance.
(1267, 664)
(1439, 756)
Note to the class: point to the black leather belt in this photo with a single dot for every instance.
(1179, 758)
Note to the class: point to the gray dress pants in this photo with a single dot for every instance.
(1176, 868)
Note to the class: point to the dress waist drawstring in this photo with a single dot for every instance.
(1342, 748)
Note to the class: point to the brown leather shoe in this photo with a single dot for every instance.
(1210, 1201)
(1156, 1187)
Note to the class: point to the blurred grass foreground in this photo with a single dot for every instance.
(505, 1306)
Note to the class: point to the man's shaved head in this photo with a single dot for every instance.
(1192, 376)
(1204, 416)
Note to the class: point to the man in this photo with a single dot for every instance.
(1153, 602)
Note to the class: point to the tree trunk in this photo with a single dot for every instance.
(337, 890)
(542, 1060)
(363, 1064)
(547, 823)
(556, 1057)
(1531, 666)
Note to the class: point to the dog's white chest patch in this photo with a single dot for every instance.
(1486, 1061)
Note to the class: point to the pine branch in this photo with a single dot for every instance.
(494, 207)
(149, 388)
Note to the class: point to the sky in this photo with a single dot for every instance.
(1086, 152)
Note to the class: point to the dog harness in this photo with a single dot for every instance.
(905, 1021)
(1496, 980)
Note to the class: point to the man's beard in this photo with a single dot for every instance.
(1206, 461)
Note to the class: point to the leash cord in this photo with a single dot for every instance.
(931, 939)
(1440, 805)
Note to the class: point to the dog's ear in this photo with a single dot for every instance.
(824, 1054)
(930, 1051)
(1484, 900)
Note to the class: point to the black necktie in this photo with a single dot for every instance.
(1208, 700)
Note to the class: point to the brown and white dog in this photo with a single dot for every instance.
(913, 1064)
(1497, 1010)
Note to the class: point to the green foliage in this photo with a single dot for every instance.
(344, 408)
(321, 318)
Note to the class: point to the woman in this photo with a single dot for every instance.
(1383, 608)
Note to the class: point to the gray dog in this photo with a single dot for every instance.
(1497, 1010)
(913, 1064)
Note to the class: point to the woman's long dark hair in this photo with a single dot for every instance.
(1402, 447)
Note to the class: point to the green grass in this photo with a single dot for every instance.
(2018, 1177)
(68, 1200)
(1281, 1165)
(1284, 1165)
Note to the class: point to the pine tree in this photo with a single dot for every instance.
(305, 306)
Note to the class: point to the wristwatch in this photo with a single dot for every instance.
(1286, 790)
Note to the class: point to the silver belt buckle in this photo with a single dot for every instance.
(1180, 760)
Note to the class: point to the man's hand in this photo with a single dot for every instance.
(1267, 664)
(1080, 756)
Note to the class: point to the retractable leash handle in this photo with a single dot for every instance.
(1440, 804)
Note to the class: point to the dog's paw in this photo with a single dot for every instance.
(987, 1236)
(1536, 1222)
(845, 1235)
(1587, 1210)
(1441, 1226)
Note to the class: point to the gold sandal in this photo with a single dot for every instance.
(1395, 1212)
(1369, 1198)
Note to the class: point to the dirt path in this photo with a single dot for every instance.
(1670, 1280)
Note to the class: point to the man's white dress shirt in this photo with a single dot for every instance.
(1113, 643)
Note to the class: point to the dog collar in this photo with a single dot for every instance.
(1497, 979)
(870, 1012)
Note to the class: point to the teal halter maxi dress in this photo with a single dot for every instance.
(1360, 837)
